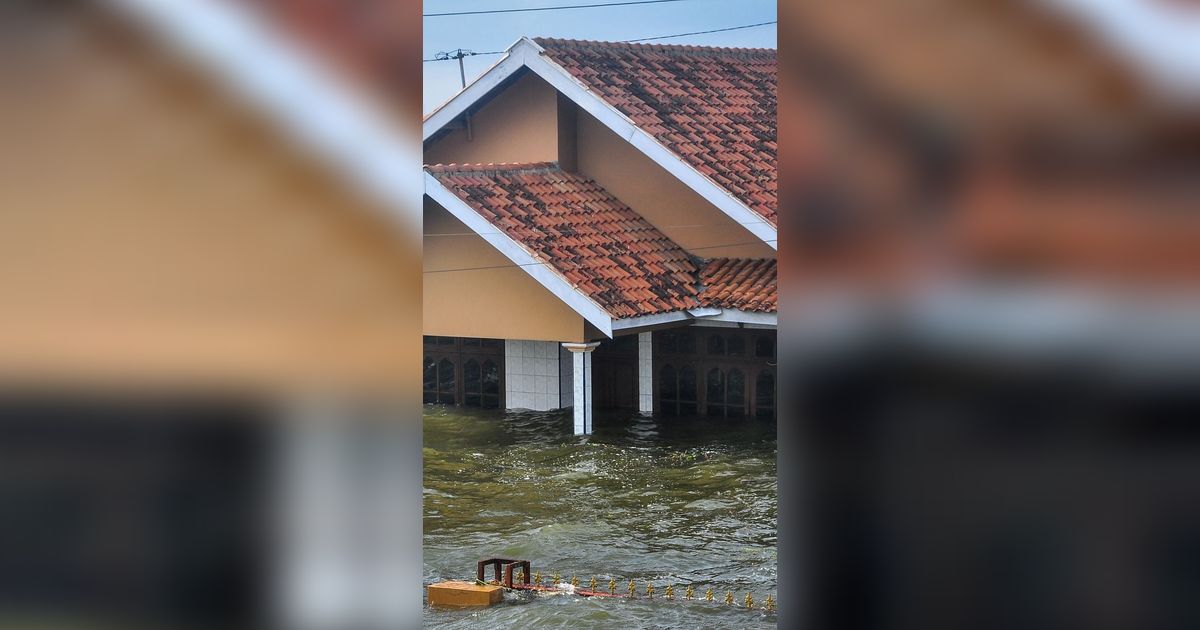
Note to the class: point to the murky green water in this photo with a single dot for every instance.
(672, 501)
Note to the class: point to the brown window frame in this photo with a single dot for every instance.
(459, 351)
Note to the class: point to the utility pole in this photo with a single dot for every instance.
(462, 76)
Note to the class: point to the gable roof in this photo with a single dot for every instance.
(714, 107)
(571, 224)
(728, 195)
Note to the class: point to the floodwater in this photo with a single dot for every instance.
(672, 501)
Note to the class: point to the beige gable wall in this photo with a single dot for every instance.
(530, 122)
(150, 230)
(489, 297)
(682, 214)
(518, 125)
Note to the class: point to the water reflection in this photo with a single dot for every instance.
(674, 501)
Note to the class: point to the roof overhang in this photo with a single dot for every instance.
(540, 271)
(527, 54)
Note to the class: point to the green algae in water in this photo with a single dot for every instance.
(670, 501)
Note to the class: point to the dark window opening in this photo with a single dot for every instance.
(764, 394)
(491, 385)
(764, 347)
(725, 393)
(430, 381)
(677, 391)
(472, 384)
(445, 382)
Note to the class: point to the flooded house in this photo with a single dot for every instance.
(600, 232)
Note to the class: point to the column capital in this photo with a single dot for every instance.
(581, 347)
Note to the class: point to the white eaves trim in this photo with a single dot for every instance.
(307, 99)
(703, 316)
(514, 251)
(528, 54)
(749, 318)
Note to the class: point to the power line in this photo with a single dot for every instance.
(559, 8)
(466, 53)
(715, 30)
(630, 41)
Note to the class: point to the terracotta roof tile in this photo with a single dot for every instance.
(714, 107)
(609, 252)
(747, 284)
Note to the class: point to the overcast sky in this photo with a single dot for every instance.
(494, 32)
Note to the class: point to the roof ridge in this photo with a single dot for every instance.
(664, 48)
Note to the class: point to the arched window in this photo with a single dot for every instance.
(764, 394)
(430, 380)
(491, 385)
(472, 384)
(714, 389)
(735, 393)
(438, 381)
(676, 391)
(725, 392)
(687, 391)
(445, 384)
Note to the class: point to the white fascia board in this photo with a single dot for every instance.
(543, 273)
(306, 98)
(527, 54)
(658, 319)
(749, 318)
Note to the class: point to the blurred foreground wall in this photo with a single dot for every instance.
(209, 326)
(991, 316)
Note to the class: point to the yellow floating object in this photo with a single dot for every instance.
(649, 590)
(464, 594)
(708, 595)
(689, 592)
(670, 592)
(592, 584)
(728, 598)
(612, 586)
(554, 581)
(574, 581)
(749, 601)
(769, 604)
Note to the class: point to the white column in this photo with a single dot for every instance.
(645, 374)
(581, 376)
